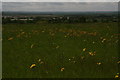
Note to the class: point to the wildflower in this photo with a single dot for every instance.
(103, 40)
(10, 38)
(39, 60)
(84, 40)
(118, 62)
(22, 32)
(65, 36)
(84, 49)
(74, 61)
(82, 57)
(101, 37)
(117, 75)
(62, 69)
(33, 65)
(52, 34)
(99, 63)
(69, 59)
(57, 47)
(92, 53)
(43, 31)
(93, 42)
(32, 45)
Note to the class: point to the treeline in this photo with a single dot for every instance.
(84, 19)
(61, 19)
(9, 20)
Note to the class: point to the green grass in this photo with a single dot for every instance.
(60, 46)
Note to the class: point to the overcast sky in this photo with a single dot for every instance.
(59, 6)
(60, 0)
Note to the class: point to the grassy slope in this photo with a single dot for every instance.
(18, 54)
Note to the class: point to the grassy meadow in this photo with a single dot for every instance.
(85, 50)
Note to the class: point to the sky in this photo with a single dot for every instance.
(59, 6)
(60, 0)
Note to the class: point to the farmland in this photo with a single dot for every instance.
(60, 50)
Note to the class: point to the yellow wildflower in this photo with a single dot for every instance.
(84, 49)
(33, 65)
(65, 36)
(103, 40)
(62, 69)
(118, 62)
(116, 76)
(32, 45)
(93, 42)
(39, 60)
(99, 63)
(92, 53)
(10, 38)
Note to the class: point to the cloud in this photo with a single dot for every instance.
(60, 1)
(59, 6)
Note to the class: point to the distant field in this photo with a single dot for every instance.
(88, 50)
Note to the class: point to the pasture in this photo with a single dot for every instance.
(85, 50)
